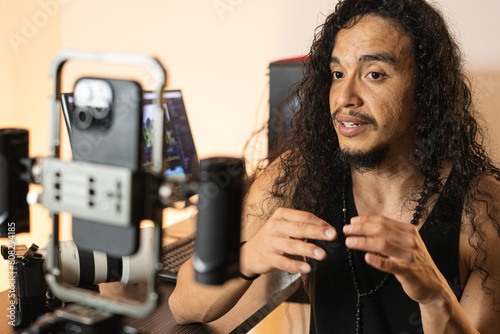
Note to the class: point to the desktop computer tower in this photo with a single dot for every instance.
(284, 75)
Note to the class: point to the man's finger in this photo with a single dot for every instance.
(291, 265)
(300, 230)
(383, 230)
(299, 248)
(299, 216)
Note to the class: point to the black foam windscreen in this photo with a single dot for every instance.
(14, 182)
(219, 220)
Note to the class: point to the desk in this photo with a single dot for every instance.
(263, 296)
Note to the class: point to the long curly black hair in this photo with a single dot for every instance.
(445, 128)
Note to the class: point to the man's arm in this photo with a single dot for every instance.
(479, 307)
(481, 301)
(269, 241)
(194, 302)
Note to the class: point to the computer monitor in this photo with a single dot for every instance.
(180, 151)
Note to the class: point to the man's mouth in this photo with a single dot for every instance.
(350, 124)
(353, 118)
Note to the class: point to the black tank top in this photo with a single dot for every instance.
(389, 310)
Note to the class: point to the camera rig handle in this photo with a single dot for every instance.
(153, 212)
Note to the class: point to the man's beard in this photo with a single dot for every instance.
(364, 161)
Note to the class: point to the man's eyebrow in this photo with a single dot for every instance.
(334, 60)
(383, 57)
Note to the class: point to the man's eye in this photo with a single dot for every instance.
(337, 75)
(375, 75)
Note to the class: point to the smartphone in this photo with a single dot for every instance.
(106, 122)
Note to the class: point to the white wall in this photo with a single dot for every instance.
(29, 39)
(476, 26)
(219, 56)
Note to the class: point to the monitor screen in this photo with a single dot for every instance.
(180, 151)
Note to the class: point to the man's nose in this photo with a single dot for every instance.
(347, 93)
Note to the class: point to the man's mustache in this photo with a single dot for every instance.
(355, 113)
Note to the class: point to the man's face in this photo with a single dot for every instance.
(371, 97)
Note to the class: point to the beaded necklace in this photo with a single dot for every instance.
(350, 258)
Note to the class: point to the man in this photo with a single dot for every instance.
(383, 198)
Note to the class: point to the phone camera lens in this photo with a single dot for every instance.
(82, 117)
(100, 112)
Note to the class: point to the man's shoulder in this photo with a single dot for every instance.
(262, 198)
(486, 204)
(488, 191)
(279, 169)
(490, 183)
(480, 226)
(276, 182)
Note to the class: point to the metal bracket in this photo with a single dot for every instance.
(92, 191)
(78, 173)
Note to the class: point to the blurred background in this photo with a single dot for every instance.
(217, 51)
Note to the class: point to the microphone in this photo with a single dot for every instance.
(14, 182)
(219, 220)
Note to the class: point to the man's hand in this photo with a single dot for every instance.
(396, 247)
(282, 236)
